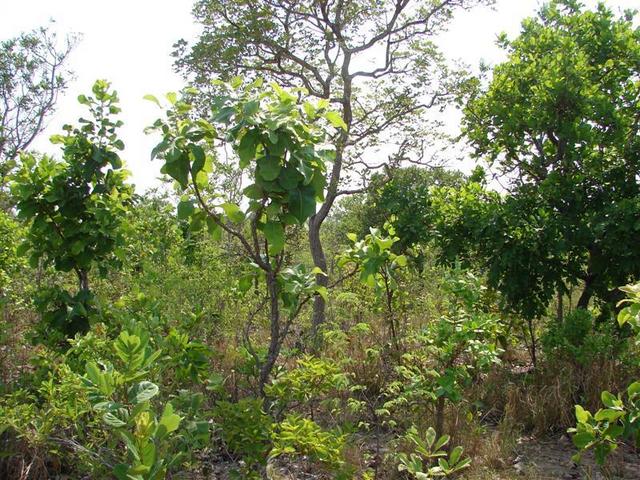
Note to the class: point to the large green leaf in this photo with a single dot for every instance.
(302, 203)
(274, 233)
(143, 392)
(185, 209)
(233, 212)
(269, 167)
(169, 420)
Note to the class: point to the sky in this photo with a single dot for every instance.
(129, 42)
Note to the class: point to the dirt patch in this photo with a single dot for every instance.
(551, 459)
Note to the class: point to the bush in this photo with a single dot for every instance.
(578, 339)
(245, 429)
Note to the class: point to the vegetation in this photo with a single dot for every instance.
(433, 328)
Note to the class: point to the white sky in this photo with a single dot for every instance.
(129, 44)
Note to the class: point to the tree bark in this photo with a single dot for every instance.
(83, 280)
(315, 222)
(275, 341)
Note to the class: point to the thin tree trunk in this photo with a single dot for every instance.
(275, 341)
(315, 222)
(83, 280)
(560, 311)
(440, 403)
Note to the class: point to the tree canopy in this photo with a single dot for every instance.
(376, 63)
(33, 73)
(560, 121)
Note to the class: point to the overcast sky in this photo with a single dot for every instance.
(129, 43)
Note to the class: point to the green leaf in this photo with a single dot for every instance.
(274, 233)
(113, 421)
(269, 168)
(582, 439)
(148, 455)
(199, 158)
(185, 209)
(236, 81)
(152, 98)
(582, 416)
(143, 392)
(251, 108)
(401, 261)
(455, 455)
(170, 420)
(214, 229)
(130, 443)
(172, 97)
(233, 212)
(247, 148)
(335, 119)
(302, 203)
(633, 389)
(323, 292)
(245, 282)
(609, 399)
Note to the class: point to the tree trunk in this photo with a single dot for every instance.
(440, 403)
(319, 260)
(560, 311)
(83, 280)
(275, 341)
(315, 222)
(534, 347)
(587, 293)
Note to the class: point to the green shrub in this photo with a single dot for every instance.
(298, 436)
(245, 429)
(578, 339)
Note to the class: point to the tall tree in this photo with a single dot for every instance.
(560, 120)
(33, 73)
(374, 61)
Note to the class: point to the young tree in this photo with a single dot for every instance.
(374, 61)
(560, 121)
(279, 142)
(33, 73)
(76, 207)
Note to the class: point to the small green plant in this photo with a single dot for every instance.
(124, 402)
(605, 429)
(245, 429)
(449, 352)
(298, 436)
(378, 266)
(620, 419)
(312, 380)
(429, 458)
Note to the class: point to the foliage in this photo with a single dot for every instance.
(75, 207)
(9, 260)
(279, 141)
(245, 429)
(327, 48)
(620, 419)
(33, 73)
(429, 457)
(404, 195)
(378, 266)
(558, 119)
(580, 339)
(298, 436)
(448, 353)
